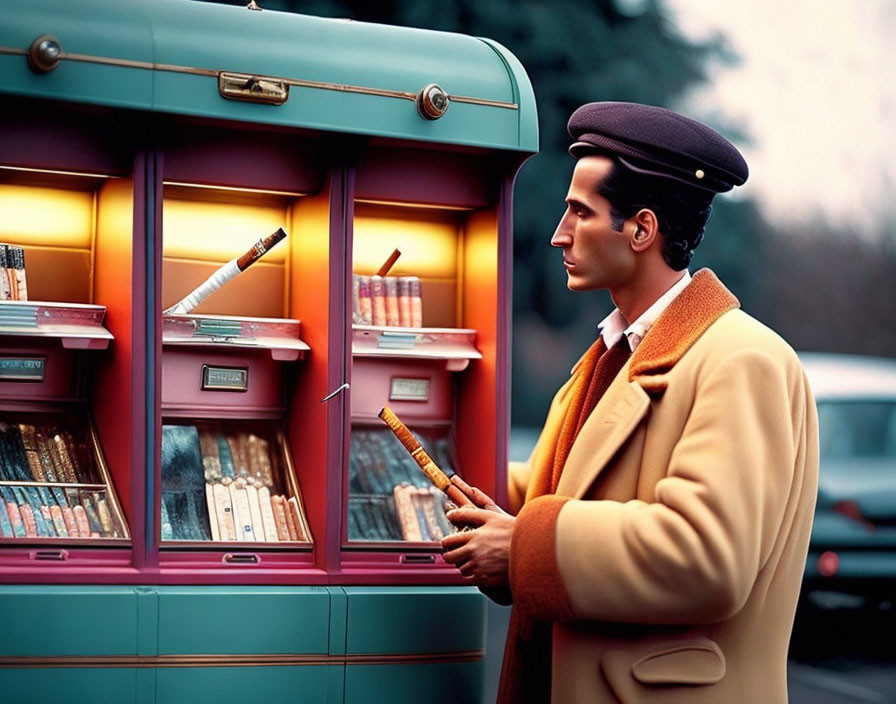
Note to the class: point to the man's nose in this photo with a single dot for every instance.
(562, 237)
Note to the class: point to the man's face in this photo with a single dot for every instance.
(594, 254)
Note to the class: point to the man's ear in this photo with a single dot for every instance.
(645, 229)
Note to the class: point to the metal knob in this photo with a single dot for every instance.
(432, 102)
(44, 54)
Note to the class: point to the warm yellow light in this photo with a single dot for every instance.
(427, 240)
(218, 232)
(32, 215)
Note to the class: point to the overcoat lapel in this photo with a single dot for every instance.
(613, 420)
(627, 400)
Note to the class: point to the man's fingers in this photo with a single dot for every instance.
(456, 556)
(476, 495)
(461, 559)
(483, 500)
(454, 541)
(468, 516)
(461, 484)
(466, 569)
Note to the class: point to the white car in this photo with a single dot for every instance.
(852, 552)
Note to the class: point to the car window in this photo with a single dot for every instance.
(857, 428)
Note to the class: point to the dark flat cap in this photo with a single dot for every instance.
(658, 142)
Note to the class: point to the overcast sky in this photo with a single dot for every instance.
(816, 90)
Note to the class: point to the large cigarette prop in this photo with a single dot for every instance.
(423, 460)
(387, 265)
(226, 272)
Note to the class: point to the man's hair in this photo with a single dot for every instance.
(682, 211)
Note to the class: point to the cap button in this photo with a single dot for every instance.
(699, 173)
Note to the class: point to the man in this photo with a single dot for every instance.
(667, 505)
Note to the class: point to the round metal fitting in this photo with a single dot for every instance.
(432, 102)
(44, 54)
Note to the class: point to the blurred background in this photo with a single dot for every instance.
(806, 89)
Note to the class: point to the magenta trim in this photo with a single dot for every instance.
(147, 267)
(503, 336)
(504, 323)
(37, 134)
(407, 176)
(213, 156)
(342, 191)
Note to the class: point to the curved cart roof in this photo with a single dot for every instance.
(171, 55)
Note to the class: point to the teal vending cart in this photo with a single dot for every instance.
(229, 237)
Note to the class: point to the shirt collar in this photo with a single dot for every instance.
(613, 327)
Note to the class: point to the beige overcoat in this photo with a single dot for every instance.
(669, 561)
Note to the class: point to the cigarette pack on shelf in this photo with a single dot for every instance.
(390, 499)
(229, 482)
(13, 283)
(387, 301)
(53, 480)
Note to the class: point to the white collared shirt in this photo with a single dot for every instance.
(613, 327)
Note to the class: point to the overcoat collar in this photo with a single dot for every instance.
(689, 315)
(627, 400)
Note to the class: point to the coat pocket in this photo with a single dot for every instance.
(697, 661)
(694, 662)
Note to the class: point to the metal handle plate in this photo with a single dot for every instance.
(253, 89)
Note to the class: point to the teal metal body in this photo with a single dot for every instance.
(241, 644)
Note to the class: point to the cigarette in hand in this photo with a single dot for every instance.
(226, 272)
(423, 460)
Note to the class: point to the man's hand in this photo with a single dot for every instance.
(481, 554)
(477, 496)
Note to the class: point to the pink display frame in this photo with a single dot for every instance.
(139, 379)
(88, 145)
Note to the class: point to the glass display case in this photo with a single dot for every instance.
(233, 361)
(425, 340)
(65, 198)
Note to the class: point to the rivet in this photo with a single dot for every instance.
(432, 102)
(44, 54)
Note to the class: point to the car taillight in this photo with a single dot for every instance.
(851, 509)
(828, 563)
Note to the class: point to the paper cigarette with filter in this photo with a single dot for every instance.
(226, 272)
(423, 460)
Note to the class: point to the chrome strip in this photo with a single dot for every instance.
(301, 83)
(267, 660)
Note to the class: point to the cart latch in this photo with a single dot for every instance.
(252, 89)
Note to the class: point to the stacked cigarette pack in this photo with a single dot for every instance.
(49, 486)
(13, 285)
(389, 498)
(394, 301)
(225, 485)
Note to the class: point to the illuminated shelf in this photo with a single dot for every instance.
(279, 335)
(457, 346)
(76, 325)
(55, 484)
